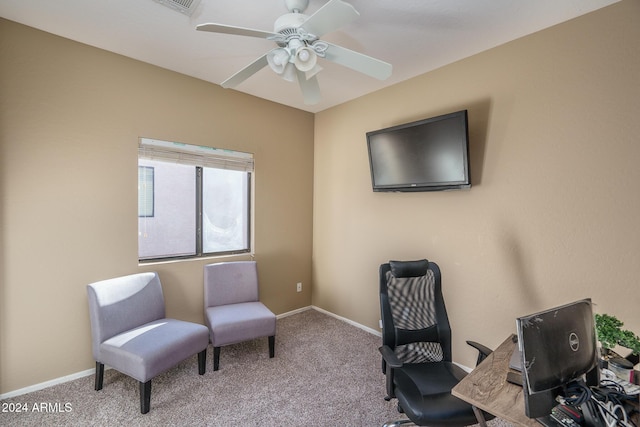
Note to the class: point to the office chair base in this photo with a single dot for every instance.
(398, 423)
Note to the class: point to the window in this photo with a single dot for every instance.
(192, 201)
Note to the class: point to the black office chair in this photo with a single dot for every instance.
(416, 350)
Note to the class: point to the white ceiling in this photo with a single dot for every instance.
(415, 36)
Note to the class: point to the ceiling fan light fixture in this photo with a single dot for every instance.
(305, 59)
(278, 59)
(303, 55)
(289, 73)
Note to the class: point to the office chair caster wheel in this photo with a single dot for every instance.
(400, 409)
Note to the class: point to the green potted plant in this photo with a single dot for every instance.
(610, 333)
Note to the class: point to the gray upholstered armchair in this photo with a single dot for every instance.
(232, 309)
(131, 334)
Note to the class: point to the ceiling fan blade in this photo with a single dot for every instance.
(246, 72)
(309, 87)
(238, 31)
(333, 15)
(358, 62)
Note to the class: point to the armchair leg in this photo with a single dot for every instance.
(202, 362)
(99, 375)
(272, 346)
(216, 358)
(145, 396)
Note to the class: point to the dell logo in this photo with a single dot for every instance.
(574, 342)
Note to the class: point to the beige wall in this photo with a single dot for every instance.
(70, 118)
(554, 211)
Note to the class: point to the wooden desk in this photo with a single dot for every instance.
(486, 387)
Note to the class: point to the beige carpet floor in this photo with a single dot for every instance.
(326, 372)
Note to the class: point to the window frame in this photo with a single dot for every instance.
(172, 152)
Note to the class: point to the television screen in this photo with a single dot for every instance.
(558, 345)
(427, 155)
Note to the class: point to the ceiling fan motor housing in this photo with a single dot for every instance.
(288, 21)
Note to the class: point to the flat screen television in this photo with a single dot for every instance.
(558, 347)
(427, 155)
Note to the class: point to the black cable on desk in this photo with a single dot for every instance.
(575, 394)
(611, 398)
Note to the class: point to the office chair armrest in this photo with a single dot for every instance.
(391, 362)
(390, 357)
(483, 351)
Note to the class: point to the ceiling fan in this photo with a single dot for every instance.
(299, 46)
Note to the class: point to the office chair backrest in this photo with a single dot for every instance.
(415, 323)
(121, 304)
(230, 283)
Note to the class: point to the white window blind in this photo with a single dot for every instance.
(177, 152)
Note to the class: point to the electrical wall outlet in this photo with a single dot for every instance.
(299, 287)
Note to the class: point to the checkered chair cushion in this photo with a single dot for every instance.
(413, 308)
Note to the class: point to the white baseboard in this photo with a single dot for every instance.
(292, 312)
(88, 372)
(349, 321)
(47, 384)
(328, 313)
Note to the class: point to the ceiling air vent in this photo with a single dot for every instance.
(183, 6)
